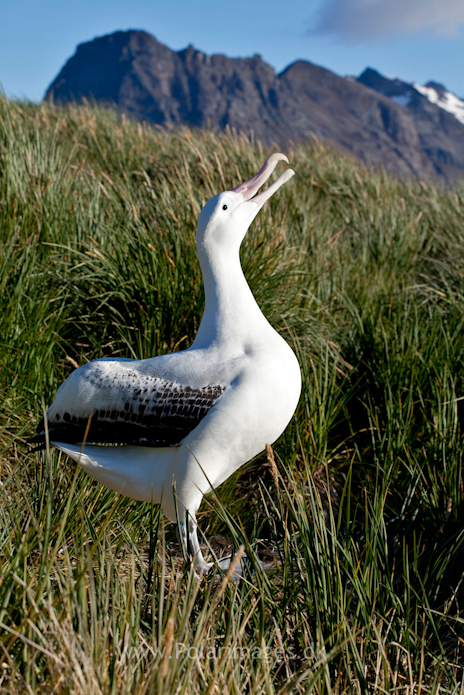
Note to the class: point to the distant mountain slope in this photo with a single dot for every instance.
(145, 79)
(403, 92)
(441, 134)
(438, 94)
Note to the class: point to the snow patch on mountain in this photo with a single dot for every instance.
(406, 93)
(442, 98)
(402, 99)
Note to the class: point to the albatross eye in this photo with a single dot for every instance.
(224, 207)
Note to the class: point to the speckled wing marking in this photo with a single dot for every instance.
(132, 408)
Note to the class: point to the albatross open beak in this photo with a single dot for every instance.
(248, 189)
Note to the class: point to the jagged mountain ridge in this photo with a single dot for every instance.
(147, 80)
(404, 92)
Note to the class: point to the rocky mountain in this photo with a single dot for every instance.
(404, 92)
(147, 80)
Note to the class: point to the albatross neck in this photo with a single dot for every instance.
(231, 313)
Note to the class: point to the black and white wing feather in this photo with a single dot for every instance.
(126, 407)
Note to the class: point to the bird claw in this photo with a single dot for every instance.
(211, 568)
(188, 537)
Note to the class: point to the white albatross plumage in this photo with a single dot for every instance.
(192, 417)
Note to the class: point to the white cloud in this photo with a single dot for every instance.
(356, 21)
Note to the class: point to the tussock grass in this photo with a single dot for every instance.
(361, 502)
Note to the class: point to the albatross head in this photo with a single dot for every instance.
(225, 219)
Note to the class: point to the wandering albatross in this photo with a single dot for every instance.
(186, 421)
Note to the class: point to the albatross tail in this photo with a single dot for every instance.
(138, 472)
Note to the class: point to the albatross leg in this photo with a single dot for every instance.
(188, 536)
(185, 532)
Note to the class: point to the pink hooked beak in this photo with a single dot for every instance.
(249, 188)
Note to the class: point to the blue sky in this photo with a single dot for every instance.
(417, 40)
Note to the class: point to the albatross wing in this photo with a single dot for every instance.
(115, 402)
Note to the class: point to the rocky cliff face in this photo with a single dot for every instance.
(146, 80)
(439, 132)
